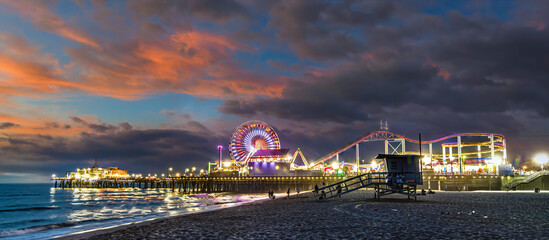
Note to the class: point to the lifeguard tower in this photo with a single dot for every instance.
(404, 173)
(402, 176)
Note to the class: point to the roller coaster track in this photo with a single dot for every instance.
(383, 135)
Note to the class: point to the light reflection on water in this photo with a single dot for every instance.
(104, 204)
(89, 208)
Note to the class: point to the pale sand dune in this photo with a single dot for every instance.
(484, 215)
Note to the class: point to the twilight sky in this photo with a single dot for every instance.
(158, 84)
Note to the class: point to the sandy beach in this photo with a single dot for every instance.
(444, 215)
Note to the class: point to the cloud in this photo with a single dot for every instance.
(34, 123)
(174, 12)
(322, 30)
(39, 14)
(218, 11)
(5, 125)
(125, 126)
(473, 65)
(79, 120)
(140, 151)
(25, 70)
(168, 112)
(183, 61)
(57, 125)
(194, 63)
(102, 127)
(342, 96)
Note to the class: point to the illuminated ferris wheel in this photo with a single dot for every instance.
(250, 136)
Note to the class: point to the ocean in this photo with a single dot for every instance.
(38, 211)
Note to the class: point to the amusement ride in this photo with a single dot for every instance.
(254, 142)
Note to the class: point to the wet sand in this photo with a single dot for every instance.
(444, 215)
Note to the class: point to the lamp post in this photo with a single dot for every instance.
(542, 159)
(170, 170)
(276, 170)
(186, 171)
(219, 147)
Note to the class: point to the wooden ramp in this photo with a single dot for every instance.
(528, 179)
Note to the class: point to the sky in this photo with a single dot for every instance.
(157, 84)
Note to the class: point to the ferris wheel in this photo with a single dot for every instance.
(250, 136)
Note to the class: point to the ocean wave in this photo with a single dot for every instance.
(27, 209)
(21, 195)
(9, 225)
(15, 232)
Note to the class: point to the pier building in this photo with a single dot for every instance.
(96, 173)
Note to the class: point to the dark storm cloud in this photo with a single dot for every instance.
(102, 127)
(343, 97)
(323, 30)
(57, 125)
(296, 109)
(465, 64)
(509, 66)
(5, 125)
(137, 150)
(218, 11)
(175, 12)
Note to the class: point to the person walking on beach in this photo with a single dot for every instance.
(316, 188)
(297, 190)
(288, 193)
(339, 190)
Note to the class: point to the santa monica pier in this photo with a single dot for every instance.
(257, 162)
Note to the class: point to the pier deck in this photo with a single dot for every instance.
(204, 184)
